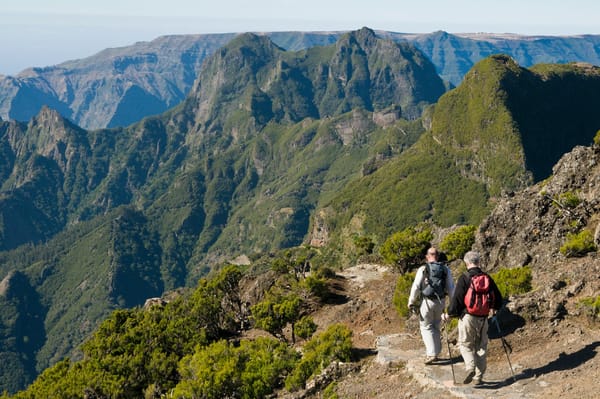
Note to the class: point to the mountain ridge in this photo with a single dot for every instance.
(149, 77)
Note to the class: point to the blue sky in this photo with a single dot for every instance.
(47, 32)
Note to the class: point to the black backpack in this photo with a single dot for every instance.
(435, 281)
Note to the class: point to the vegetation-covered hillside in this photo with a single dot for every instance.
(265, 136)
(337, 146)
(499, 131)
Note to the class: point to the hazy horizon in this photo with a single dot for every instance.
(35, 33)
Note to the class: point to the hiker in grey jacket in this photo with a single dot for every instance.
(472, 327)
(430, 303)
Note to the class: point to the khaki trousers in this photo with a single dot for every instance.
(431, 316)
(472, 342)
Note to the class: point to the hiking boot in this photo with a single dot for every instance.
(430, 360)
(469, 377)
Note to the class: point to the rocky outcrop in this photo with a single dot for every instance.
(529, 227)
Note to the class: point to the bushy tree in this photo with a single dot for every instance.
(274, 313)
(406, 248)
(221, 370)
(317, 286)
(305, 327)
(136, 352)
(364, 245)
(402, 293)
(334, 344)
(458, 242)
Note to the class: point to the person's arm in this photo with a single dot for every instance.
(415, 289)
(457, 305)
(449, 283)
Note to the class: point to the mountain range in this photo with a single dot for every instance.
(120, 86)
(271, 149)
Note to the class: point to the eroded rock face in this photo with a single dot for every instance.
(529, 227)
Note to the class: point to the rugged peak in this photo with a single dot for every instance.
(365, 36)
(245, 50)
(50, 120)
(252, 76)
(494, 67)
(249, 40)
(440, 35)
(53, 136)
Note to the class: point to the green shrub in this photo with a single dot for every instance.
(305, 327)
(334, 344)
(364, 245)
(221, 370)
(597, 138)
(513, 281)
(591, 306)
(317, 286)
(406, 248)
(578, 244)
(568, 199)
(274, 313)
(325, 272)
(329, 392)
(456, 243)
(402, 292)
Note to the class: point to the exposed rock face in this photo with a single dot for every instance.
(528, 228)
(115, 87)
(319, 235)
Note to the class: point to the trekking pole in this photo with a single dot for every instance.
(446, 325)
(506, 346)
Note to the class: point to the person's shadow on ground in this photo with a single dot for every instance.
(563, 362)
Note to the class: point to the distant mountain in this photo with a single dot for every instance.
(120, 86)
(455, 54)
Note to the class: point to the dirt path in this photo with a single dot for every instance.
(548, 361)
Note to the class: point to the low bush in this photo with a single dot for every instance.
(456, 243)
(591, 306)
(305, 327)
(364, 245)
(405, 249)
(402, 292)
(317, 286)
(597, 138)
(568, 199)
(334, 344)
(513, 281)
(578, 244)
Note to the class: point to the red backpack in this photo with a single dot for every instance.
(480, 296)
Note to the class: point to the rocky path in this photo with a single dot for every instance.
(499, 382)
(558, 360)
